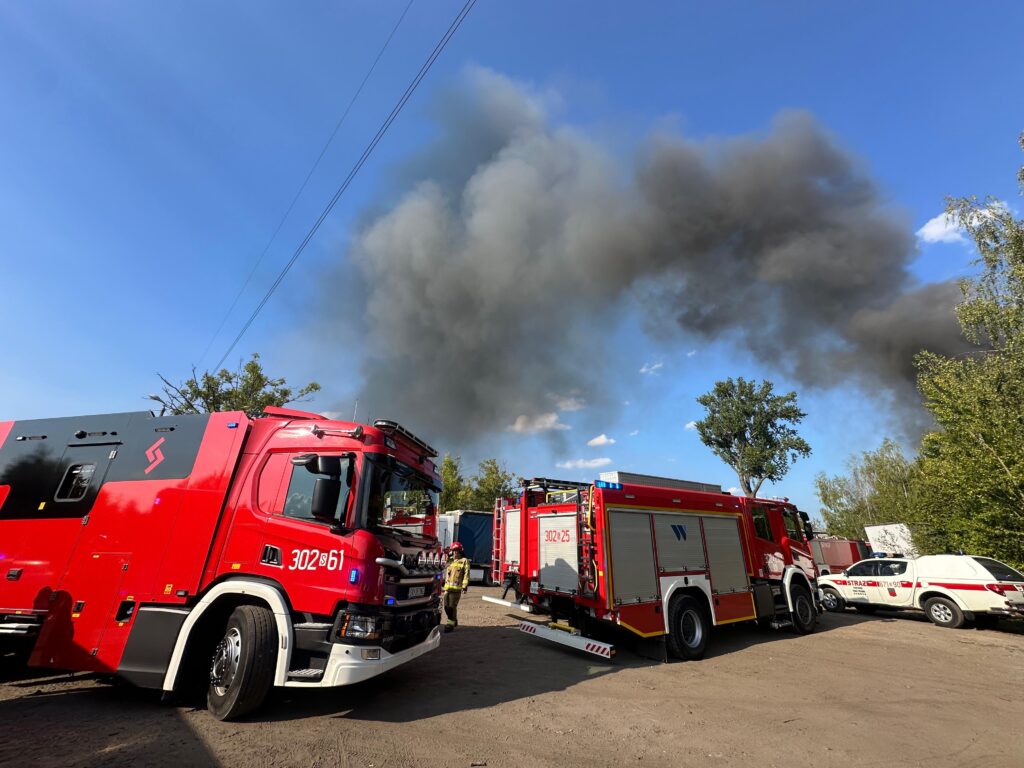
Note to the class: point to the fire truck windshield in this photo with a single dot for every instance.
(395, 495)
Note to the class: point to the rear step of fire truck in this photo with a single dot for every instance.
(566, 635)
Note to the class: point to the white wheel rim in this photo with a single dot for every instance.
(942, 613)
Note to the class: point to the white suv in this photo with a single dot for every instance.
(950, 589)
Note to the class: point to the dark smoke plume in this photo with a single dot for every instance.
(520, 242)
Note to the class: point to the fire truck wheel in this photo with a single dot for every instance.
(804, 615)
(242, 669)
(944, 613)
(832, 601)
(688, 628)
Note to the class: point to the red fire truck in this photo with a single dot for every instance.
(218, 550)
(662, 558)
(834, 554)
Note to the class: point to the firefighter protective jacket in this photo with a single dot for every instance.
(456, 575)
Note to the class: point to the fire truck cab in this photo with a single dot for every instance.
(219, 551)
(661, 558)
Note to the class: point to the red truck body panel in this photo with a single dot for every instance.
(565, 561)
(104, 516)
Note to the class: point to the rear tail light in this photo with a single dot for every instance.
(999, 589)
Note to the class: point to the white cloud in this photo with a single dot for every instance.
(691, 425)
(941, 229)
(585, 463)
(634, 433)
(601, 439)
(691, 353)
(570, 403)
(625, 402)
(332, 415)
(546, 422)
(651, 367)
(734, 491)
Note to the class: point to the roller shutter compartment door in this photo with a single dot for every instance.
(633, 573)
(725, 555)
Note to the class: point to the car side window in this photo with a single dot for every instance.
(794, 528)
(863, 568)
(892, 568)
(761, 527)
(299, 497)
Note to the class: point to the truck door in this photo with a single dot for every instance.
(895, 587)
(769, 562)
(798, 548)
(293, 539)
(859, 579)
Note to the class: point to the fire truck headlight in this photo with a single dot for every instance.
(361, 627)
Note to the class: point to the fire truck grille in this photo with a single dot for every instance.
(409, 629)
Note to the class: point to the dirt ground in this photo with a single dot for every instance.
(890, 690)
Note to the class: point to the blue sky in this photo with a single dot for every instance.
(147, 151)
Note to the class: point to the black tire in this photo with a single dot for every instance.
(865, 609)
(804, 615)
(689, 628)
(832, 601)
(242, 669)
(943, 612)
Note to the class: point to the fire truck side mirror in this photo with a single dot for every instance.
(326, 492)
(329, 465)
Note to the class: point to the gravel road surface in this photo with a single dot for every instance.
(884, 690)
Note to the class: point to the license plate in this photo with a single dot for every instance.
(417, 591)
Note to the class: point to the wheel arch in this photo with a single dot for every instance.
(794, 575)
(929, 592)
(693, 591)
(212, 612)
(698, 590)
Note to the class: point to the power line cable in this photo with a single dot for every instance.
(305, 182)
(438, 49)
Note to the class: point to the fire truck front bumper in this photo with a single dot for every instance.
(349, 664)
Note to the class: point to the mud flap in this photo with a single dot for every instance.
(652, 648)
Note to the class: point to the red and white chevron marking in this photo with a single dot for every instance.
(580, 643)
(600, 650)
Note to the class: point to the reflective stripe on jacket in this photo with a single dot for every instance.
(456, 575)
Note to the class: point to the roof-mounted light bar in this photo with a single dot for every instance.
(389, 427)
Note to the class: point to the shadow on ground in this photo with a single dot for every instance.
(70, 722)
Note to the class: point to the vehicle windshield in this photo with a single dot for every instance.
(999, 571)
(394, 495)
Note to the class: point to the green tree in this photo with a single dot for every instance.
(492, 481)
(880, 486)
(750, 429)
(973, 464)
(455, 490)
(248, 389)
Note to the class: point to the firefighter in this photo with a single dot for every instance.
(456, 581)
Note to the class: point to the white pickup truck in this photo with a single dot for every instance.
(951, 589)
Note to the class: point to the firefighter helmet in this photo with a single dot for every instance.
(457, 547)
